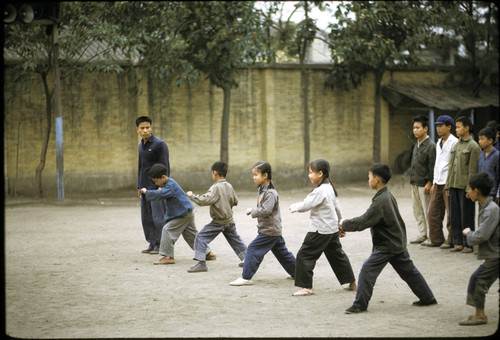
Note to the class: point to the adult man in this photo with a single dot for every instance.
(463, 163)
(439, 203)
(152, 150)
(421, 174)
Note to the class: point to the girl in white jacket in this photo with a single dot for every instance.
(323, 234)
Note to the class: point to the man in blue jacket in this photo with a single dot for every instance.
(152, 150)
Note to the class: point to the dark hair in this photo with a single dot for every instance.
(494, 125)
(465, 122)
(323, 166)
(143, 119)
(481, 181)
(488, 133)
(381, 170)
(220, 167)
(265, 168)
(157, 171)
(421, 119)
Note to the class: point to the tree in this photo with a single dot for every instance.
(295, 40)
(220, 37)
(474, 26)
(371, 36)
(81, 27)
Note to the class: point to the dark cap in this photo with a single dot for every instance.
(444, 119)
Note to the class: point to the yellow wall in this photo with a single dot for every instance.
(100, 141)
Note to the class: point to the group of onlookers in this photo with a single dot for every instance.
(449, 176)
(439, 173)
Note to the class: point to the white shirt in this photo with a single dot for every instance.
(324, 207)
(442, 159)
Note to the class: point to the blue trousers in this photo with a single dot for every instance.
(372, 267)
(152, 215)
(210, 231)
(259, 247)
(481, 281)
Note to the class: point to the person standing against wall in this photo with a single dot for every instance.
(463, 163)
(439, 203)
(152, 150)
(421, 174)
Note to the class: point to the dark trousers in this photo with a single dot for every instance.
(402, 264)
(259, 247)
(438, 206)
(152, 217)
(481, 281)
(462, 212)
(313, 246)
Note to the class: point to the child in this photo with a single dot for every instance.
(489, 160)
(179, 217)
(323, 235)
(269, 228)
(221, 198)
(389, 243)
(486, 237)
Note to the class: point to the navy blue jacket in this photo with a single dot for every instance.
(155, 150)
(178, 203)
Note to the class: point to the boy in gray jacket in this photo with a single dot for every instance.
(221, 198)
(486, 237)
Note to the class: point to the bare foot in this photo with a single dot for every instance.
(352, 286)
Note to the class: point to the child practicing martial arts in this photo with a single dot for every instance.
(323, 234)
(269, 237)
(221, 198)
(486, 237)
(389, 243)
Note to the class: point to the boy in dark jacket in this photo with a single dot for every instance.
(389, 244)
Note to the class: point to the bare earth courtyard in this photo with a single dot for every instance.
(74, 270)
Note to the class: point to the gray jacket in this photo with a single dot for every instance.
(487, 235)
(221, 198)
(422, 163)
(268, 212)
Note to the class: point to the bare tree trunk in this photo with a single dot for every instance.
(304, 81)
(45, 142)
(224, 134)
(377, 117)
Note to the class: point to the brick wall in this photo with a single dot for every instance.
(100, 141)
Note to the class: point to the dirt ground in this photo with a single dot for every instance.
(75, 270)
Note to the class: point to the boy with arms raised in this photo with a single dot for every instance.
(486, 237)
(179, 216)
(221, 198)
(389, 243)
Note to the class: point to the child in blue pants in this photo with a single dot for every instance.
(269, 228)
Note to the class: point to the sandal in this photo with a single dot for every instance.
(304, 292)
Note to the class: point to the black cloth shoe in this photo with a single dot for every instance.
(422, 303)
(353, 310)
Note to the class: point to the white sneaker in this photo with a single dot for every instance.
(241, 282)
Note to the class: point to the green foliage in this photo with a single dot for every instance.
(372, 35)
(219, 37)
